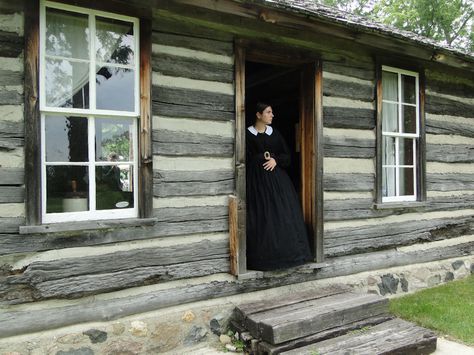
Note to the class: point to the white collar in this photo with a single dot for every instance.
(268, 130)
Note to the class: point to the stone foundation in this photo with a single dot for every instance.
(179, 330)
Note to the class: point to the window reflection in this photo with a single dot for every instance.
(114, 140)
(114, 186)
(66, 139)
(114, 41)
(115, 89)
(67, 189)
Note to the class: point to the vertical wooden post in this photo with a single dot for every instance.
(32, 115)
(146, 155)
(233, 235)
(240, 187)
(318, 211)
(378, 132)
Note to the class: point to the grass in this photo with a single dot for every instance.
(447, 309)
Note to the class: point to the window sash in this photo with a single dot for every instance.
(398, 197)
(90, 114)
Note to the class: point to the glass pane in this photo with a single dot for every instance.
(114, 139)
(114, 187)
(67, 84)
(67, 34)
(390, 86)
(409, 119)
(67, 189)
(390, 117)
(388, 182)
(66, 139)
(408, 89)
(115, 89)
(114, 41)
(406, 182)
(405, 151)
(388, 151)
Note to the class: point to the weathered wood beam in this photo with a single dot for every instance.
(14, 78)
(347, 117)
(360, 70)
(344, 147)
(10, 224)
(450, 153)
(447, 127)
(11, 129)
(444, 106)
(11, 44)
(11, 176)
(362, 239)
(450, 182)
(189, 41)
(348, 182)
(32, 320)
(348, 89)
(12, 194)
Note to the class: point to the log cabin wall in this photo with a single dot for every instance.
(181, 254)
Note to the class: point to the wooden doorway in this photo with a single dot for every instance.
(295, 79)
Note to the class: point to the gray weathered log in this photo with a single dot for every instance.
(347, 117)
(450, 182)
(212, 220)
(13, 78)
(458, 89)
(193, 183)
(10, 97)
(29, 320)
(363, 239)
(443, 106)
(193, 213)
(189, 42)
(442, 127)
(11, 176)
(188, 103)
(450, 153)
(11, 129)
(348, 182)
(192, 68)
(395, 336)
(344, 147)
(12, 194)
(11, 44)
(11, 143)
(178, 143)
(10, 224)
(359, 70)
(348, 89)
(335, 210)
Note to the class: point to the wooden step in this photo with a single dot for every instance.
(309, 316)
(394, 337)
(269, 349)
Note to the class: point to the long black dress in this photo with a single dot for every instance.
(276, 233)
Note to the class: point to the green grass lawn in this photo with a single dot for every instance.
(447, 309)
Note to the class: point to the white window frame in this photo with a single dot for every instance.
(90, 114)
(397, 135)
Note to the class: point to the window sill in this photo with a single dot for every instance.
(86, 225)
(395, 205)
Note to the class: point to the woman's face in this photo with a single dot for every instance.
(266, 116)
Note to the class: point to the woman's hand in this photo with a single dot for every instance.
(270, 164)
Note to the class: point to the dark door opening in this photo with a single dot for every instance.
(278, 86)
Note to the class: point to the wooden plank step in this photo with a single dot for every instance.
(394, 337)
(269, 349)
(297, 320)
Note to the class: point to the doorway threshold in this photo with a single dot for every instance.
(302, 269)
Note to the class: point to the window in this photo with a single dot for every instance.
(400, 136)
(89, 106)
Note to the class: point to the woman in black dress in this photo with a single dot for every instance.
(276, 233)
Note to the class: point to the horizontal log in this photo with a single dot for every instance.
(11, 143)
(11, 44)
(447, 127)
(344, 147)
(192, 213)
(166, 24)
(14, 78)
(359, 70)
(348, 182)
(179, 143)
(336, 210)
(12, 194)
(347, 117)
(11, 129)
(75, 277)
(450, 182)
(11, 176)
(348, 89)
(458, 89)
(209, 220)
(10, 97)
(175, 102)
(191, 42)
(443, 106)
(450, 153)
(11, 224)
(362, 239)
(28, 321)
(192, 68)
(193, 183)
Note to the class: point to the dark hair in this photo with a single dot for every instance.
(261, 106)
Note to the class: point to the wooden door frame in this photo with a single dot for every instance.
(312, 173)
